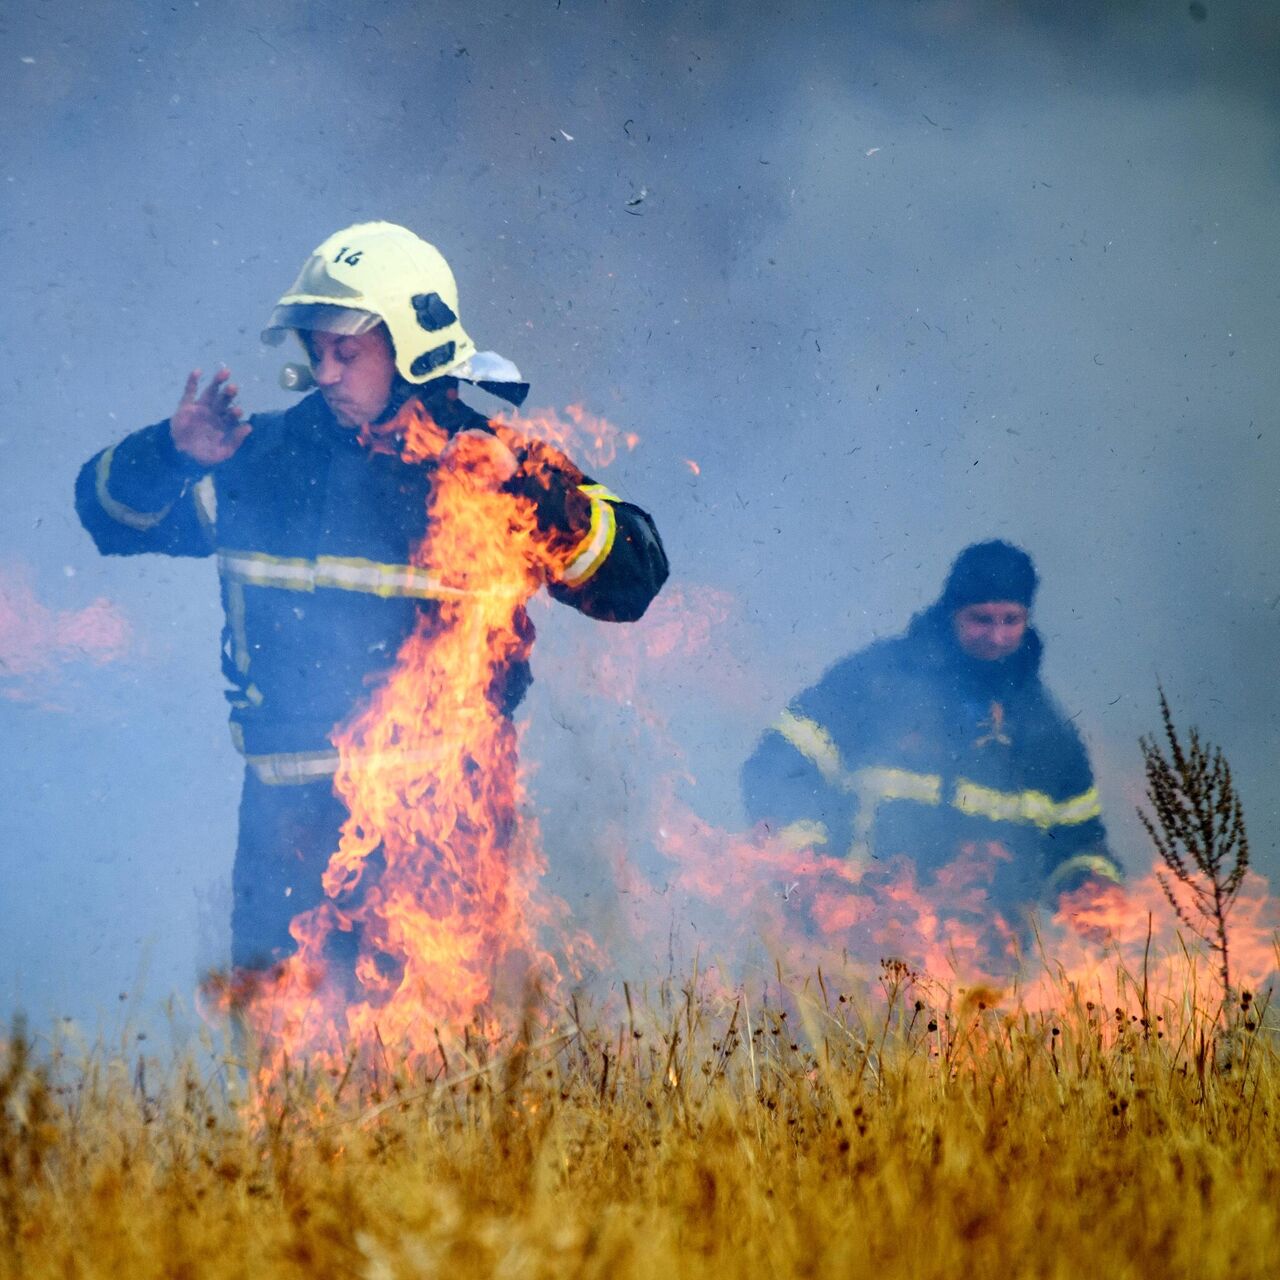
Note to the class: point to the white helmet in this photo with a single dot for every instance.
(379, 273)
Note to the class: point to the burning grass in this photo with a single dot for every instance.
(886, 1128)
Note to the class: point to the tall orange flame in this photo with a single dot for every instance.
(437, 868)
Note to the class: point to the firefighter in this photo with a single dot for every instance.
(312, 514)
(939, 741)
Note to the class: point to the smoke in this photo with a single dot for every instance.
(896, 277)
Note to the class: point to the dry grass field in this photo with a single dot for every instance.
(893, 1132)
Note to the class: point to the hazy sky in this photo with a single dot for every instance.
(895, 276)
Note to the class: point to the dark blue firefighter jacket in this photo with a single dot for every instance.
(313, 532)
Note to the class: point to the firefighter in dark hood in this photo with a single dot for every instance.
(940, 741)
(312, 515)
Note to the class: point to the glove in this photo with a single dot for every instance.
(560, 507)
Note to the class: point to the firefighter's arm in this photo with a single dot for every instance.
(604, 555)
(1075, 837)
(152, 491)
(143, 495)
(617, 565)
(788, 788)
(1085, 889)
(1079, 856)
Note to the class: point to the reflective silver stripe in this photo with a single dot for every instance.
(249, 569)
(289, 768)
(382, 579)
(595, 547)
(294, 574)
(140, 520)
(234, 596)
(293, 768)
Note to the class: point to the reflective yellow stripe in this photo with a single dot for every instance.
(1025, 806)
(1088, 804)
(813, 742)
(140, 520)
(234, 595)
(876, 783)
(382, 579)
(1095, 863)
(594, 549)
(599, 491)
(206, 500)
(286, 768)
(804, 834)
(252, 568)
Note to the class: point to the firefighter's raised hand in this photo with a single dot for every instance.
(206, 425)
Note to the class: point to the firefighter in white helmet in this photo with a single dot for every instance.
(312, 514)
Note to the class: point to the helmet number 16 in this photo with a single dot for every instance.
(350, 256)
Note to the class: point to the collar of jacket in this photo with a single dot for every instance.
(440, 402)
(387, 435)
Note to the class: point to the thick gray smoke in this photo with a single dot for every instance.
(894, 277)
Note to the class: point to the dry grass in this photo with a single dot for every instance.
(885, 1135)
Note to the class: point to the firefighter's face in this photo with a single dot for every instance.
(353, 371)
(992, 630)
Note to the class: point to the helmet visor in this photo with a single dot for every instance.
(322, 316)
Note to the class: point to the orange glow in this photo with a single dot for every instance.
(808, 908)
(693, 466)
(586, 435)
(1110, 944)
(1099, 925)
(35, 640)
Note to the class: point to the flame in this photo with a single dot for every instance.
(1101, 928)
(811, 909)
(1111, 943)
(35, 640)
(437, 867)
(591, 437)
